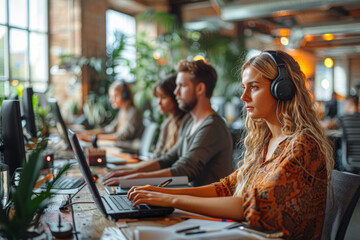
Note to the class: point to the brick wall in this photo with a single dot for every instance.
(77, 27)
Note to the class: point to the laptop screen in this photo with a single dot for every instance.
(80, 156)
(60, 124)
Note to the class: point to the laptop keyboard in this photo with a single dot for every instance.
(66, 183)
(122, 203)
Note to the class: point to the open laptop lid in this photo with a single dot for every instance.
(80, 156)
(60, 123)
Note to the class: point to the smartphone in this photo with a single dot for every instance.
(115, 190)
(263, 233)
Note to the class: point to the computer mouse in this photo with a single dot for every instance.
(60, 229)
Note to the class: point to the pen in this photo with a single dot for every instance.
(208, 218)
(202, 231)
(46, 178)
(164, 184)
(187, 229)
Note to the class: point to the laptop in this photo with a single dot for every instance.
(113, 206)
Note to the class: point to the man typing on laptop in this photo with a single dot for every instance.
(204, 153)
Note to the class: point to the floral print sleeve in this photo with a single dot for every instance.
(289, 194)
(226, 186)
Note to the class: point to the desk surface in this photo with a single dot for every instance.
(90, 224)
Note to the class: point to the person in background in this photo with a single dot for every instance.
(127, 127)
(351, 106)
(173, 126)
(331, 107)
(285, 175)
(204, 153)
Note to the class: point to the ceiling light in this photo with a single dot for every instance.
(328, 36)
(325, 84)
(284, 41)
(282, 32)
(328, 62)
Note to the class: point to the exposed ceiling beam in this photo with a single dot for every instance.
(242, 10)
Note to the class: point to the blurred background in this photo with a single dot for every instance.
(73, 49)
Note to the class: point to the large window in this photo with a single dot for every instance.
(23, 45)
(117, 25)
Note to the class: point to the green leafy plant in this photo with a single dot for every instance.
(26, 206)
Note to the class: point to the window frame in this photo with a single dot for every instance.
(6, 81)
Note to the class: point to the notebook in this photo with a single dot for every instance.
(177, 182)
(114, 206)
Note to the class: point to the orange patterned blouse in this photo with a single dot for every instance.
(289, 192)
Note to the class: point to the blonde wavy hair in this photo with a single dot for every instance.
(298, 117)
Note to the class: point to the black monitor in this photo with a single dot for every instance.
(28, 109)
(12, 135)
(60, 124)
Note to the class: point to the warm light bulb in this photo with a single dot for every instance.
(328, 36)
(284, 41)
(328, 62)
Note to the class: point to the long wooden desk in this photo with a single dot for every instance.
(88, 221)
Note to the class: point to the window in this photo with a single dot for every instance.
(23, 45)
(118, 24)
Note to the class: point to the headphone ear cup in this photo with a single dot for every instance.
(282, 89)
(125, 94)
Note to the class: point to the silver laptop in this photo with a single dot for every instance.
(114, 206)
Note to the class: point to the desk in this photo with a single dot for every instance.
(90, 224)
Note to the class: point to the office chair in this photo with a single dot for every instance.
(350, 125)
(346, 188)
(146, 142)
(148, 139)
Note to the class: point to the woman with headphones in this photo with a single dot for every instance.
(127, 127)
(283, 179)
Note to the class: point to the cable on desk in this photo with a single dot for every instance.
(70, 204)
(73, 221)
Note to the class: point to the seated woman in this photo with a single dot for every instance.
(173, 125)
(283, 180)
(127, 127)
(172, 128)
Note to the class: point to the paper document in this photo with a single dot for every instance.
(179, 180)
(151, 233)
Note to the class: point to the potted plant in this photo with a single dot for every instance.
(25, 207)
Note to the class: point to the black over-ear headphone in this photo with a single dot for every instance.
(125, 94)
(282, 87)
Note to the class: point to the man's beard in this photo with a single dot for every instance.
(187, 107)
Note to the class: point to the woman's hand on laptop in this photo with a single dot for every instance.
(116, 180)
(119, 173)
(152, 198)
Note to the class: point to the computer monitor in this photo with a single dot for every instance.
(28, 109)
(12, 135)
(60, 124)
